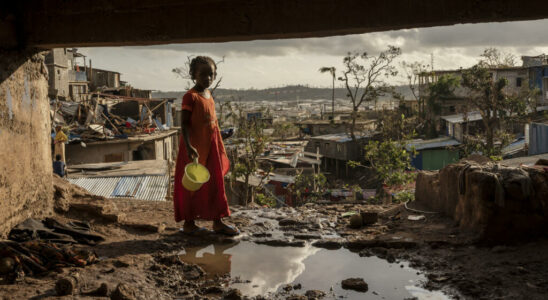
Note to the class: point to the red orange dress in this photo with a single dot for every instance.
(209, 202)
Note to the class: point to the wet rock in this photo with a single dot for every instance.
(297, 286)
(359, 244)
(314, 294)
(331, 244)
(66, 286)
(355, 221)
(261, 234)
(281, 242)
(123, 292)
(233, 294)
(356, 284)
(297, 297)
(213, 290)
(307, 236)
(369, 218)
(401, 244)
(287, 288)
(290, 222)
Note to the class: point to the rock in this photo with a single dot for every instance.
(356, 284)
(213, 290)
(102, 291)
(307, 236)
(123, 292)
(232, 294)
(297, 286)
(290, 222)
(355, 221)
(369, 218)
(331, 244)
(314, 294)
(261, 234)
(287, 287)
(297, 297)
(66, 286)
(6, 265)
(361, 243)
(281, 242)
(401, 244)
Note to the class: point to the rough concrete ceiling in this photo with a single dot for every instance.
(61, 23)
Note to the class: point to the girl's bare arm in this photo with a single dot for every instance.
(192, 152)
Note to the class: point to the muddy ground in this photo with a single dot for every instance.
(143, 242)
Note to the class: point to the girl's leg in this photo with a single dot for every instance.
(189, 226)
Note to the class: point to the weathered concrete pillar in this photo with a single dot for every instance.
(25, 153)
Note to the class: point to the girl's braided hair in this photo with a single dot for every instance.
(200, 60)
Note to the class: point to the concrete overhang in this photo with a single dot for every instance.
(61, 23)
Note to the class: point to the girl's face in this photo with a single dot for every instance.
(205, 74)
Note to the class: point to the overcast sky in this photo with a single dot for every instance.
(274, 63)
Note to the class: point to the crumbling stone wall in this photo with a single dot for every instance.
(498, 202)
(25, 154)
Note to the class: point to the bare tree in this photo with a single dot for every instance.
(412, 72)
(332, 71)
(364, 78)
(494, 58)
(184, 73)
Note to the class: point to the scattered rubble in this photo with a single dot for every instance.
(356, 284)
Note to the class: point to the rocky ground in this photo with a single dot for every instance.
(139, 259)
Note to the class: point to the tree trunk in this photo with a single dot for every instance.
(333, 100)
(353, 126)
(246, 189)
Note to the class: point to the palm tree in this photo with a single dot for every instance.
(332, 71)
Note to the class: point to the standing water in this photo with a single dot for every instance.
(266, 270)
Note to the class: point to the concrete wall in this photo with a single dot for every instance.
(76, 154)
(25, 160)
(59, 63)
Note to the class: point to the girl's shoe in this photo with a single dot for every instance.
(228, 230)
(200, 231)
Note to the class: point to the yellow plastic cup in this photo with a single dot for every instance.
(195, 176)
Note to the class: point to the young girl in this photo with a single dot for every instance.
(202, 139)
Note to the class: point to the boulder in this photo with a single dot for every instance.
(356, 284)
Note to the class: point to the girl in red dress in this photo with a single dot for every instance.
(202, 138)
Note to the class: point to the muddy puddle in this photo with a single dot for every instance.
(266, 270)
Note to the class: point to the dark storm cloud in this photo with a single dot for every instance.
(473, 36)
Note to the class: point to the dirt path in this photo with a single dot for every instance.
(143, 242)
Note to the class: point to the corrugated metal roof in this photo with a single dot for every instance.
(432, 144)
(459, 118)
(147, 187)
(337, 137)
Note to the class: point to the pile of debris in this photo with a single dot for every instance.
(107, 116)
(35, 248)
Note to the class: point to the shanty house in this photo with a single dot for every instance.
(155, 146)
(433, 154)
(337, 150)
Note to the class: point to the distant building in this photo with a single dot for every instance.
(67, 74)
(459, 125)
(533, 74)
(337, 150)
(100, 78)
(323, 127)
